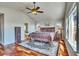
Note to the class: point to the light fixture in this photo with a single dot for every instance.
(34, 12)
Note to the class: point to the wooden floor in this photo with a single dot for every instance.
(62, 51)
(16, 50)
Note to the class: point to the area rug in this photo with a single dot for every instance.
(42, 47)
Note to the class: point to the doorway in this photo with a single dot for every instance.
(17, 35)
(1, 28)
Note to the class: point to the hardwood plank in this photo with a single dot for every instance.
(21, 51)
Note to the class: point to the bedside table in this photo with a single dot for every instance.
(27, 37)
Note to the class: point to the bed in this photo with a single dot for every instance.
(46, 34)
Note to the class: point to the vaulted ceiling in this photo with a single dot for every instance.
(52, 10)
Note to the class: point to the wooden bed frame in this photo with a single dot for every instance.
(47, 29)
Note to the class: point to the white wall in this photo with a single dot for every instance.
(53, 23)
(13, 18)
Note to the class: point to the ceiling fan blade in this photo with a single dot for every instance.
(28, 8)
(37, 8)
(29, 12)
(40, 11)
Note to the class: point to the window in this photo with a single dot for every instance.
(71, 24)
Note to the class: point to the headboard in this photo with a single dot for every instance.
(47, 29)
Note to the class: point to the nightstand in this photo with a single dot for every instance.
(27, 37)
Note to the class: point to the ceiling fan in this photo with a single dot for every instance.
(34, 10)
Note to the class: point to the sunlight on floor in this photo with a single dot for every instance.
(62, 49)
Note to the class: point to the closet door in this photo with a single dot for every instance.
(17, 34)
